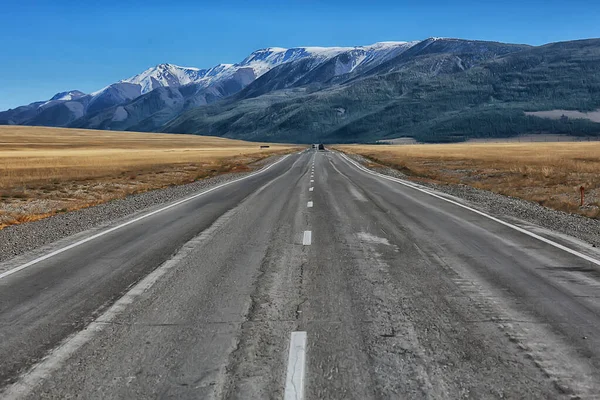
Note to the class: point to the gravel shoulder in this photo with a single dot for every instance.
(509, 208)
(28, 239)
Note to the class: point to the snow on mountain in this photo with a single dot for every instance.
(166, 75)
(263, 60)
(325, 66)
(207, 85)
(259, 62)
(161, 75)
(384, 51)
(360, 56)
(61, 98)
(70, 95)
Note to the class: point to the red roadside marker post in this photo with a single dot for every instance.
(582, 190)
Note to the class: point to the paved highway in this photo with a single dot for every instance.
(315, 279)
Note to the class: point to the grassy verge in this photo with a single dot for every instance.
(44, 171)
(547, 173)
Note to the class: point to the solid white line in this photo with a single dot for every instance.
(516, 228)
(310, 189)
(294, 381)
(309, 204)
(307, 239)
(57, 357)
(79, 243)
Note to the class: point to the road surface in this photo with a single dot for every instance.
(313, 279)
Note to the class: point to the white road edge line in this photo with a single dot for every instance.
(60, 354)
(516, 228)
(294, 381)
(307, 239)
(309, 204)
(79, 243)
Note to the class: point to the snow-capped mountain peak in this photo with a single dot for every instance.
(165, 75)
(263, 60)
(207, 85)
(69, 95)
(258, 62)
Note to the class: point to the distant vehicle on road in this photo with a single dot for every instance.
(321, 147)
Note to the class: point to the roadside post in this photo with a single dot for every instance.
(582, 190)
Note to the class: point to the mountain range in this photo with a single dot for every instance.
(433, 90)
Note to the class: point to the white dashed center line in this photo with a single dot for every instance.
(294, 381)
(307, 239)
(309, 204)
(312, 180)
(310, 189)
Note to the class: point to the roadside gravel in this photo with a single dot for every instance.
(580, 227)
(20, 239)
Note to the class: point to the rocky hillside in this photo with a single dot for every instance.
(434, 90)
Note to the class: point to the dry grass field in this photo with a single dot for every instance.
(48, 170)
(547, 173)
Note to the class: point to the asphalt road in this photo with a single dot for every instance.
(338, 285)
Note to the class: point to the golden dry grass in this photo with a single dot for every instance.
(48, 170)
(547, 173)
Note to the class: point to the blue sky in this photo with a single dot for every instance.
(52, 46)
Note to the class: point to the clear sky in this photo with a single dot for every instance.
(52, 46)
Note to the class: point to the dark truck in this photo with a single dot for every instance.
(321, 147)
